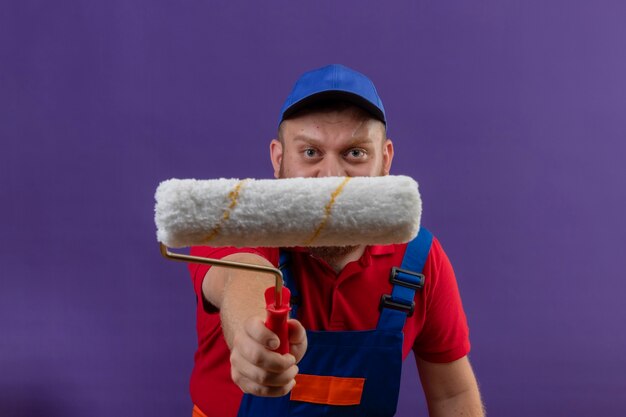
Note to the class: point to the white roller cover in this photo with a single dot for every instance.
(329, 211)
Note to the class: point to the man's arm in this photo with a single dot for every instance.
(450, 388)
(239, 295)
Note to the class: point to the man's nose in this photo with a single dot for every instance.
(331, 166)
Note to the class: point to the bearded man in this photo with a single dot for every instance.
(332, 124)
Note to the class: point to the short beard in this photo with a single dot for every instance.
(331, 254)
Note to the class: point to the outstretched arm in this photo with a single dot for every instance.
(239, 295)
(450, 388)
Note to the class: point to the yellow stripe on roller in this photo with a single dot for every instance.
(234, 198)
(327, 211)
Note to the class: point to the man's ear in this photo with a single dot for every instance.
(276, 154)
(387, 156)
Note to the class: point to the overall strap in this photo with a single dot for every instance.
(407, 279)
(288, 281)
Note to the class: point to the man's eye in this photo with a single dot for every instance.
(356, 153)
(310, 153)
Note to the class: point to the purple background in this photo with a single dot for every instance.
(510, 114)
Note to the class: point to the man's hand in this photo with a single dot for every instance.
(255, 368)
(239, 294)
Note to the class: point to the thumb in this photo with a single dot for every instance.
(256, 330)
(297, 339)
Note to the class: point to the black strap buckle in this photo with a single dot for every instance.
(387, 301)
(396, 279)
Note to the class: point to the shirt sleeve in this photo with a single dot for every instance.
(199, 271)
(445, 334)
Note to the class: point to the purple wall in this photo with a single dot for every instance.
(510, 114)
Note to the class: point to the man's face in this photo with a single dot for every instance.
(339, 143)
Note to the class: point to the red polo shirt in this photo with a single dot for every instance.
(437, 331)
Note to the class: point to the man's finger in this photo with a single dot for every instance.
(261, 376)
(251, 387)
(257, 353)
(255, 328)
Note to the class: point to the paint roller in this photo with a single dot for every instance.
(308, 212)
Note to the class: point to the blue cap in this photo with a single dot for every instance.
(336, 82)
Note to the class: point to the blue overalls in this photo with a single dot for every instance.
(368, 362)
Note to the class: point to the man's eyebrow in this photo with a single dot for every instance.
(307, 139)
(359, 140)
